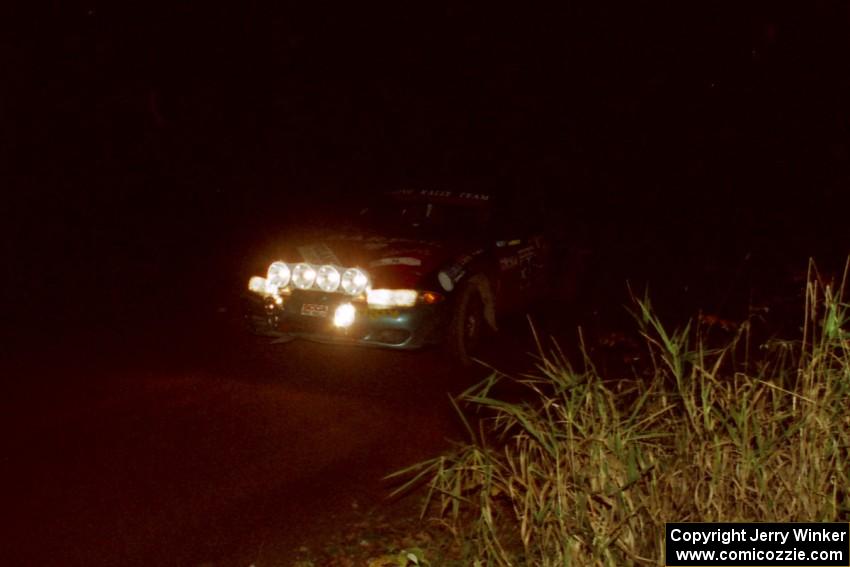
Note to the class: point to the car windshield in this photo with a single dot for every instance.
(423, 219)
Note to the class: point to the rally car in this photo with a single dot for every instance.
(419, 267)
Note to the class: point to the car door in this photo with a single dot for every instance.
(520, 251)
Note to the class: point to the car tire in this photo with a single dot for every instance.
(468, 328)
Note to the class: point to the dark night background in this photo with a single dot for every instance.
(671, 136)
(151, 152)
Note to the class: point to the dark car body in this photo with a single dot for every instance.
(445, 265)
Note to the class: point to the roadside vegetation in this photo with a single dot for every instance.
(707, 424)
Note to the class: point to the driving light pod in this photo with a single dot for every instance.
(328, 278)
(354, 281)
(303, 276)
(279, 275)
(388, 298)
(344, 315)
(271, 289)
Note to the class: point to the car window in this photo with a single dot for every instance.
(424, 219)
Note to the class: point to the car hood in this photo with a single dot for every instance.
(390, 262)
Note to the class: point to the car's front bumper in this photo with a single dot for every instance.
(401, 328)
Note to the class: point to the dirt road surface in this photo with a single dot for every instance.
(164, 446)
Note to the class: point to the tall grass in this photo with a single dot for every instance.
(586, 469)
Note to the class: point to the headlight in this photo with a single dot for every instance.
(257, 284)
(303, 276)
(354, 281)
(328, 278)
(386, 298)
(344, 315)
(279, 274)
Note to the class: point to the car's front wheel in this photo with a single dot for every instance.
(468, 327)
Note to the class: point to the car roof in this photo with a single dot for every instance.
(461, 198)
